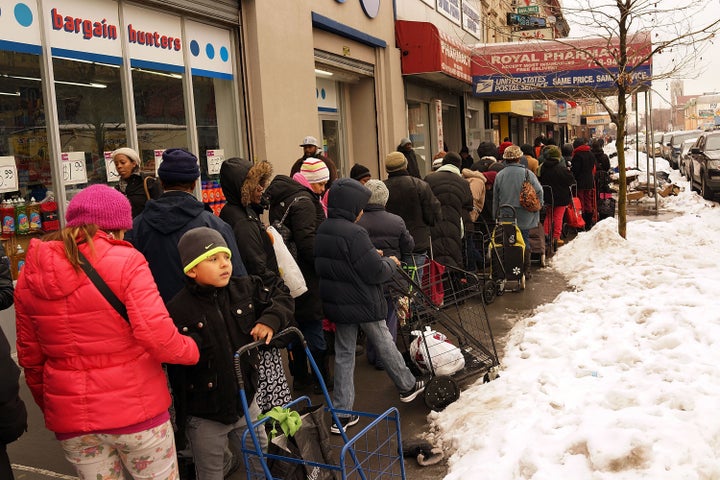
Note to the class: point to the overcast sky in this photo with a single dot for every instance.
(700, 78)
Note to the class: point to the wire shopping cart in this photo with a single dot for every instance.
(375, 452)
(441, 301)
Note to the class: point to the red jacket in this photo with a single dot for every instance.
(87, 369)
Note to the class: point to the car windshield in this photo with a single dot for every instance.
(678, 139)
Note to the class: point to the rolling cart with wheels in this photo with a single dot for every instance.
(462, 323)
(507, 251)
(374, 453)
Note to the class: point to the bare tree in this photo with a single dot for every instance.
(674, 29)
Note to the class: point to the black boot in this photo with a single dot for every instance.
(588, 217)
(302, 379)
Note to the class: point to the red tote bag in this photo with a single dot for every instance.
(573, 214)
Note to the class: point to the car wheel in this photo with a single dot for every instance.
(706, 193)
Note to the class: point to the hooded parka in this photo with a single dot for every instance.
(351, 271)
(239, 179)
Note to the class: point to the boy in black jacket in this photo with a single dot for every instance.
(352, 274)
(222, 313)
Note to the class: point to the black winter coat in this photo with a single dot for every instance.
(13, 415)
(158, 229)
(303, 220)
(583, 167)
(412, 164)
(351, 271)
(412, 200)
(387, 231)
(559, 179)
(135, 191)
(220, 321)
(239, 178)
(454, 194)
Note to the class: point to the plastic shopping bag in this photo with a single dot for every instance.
(289, 270)
(432, 346)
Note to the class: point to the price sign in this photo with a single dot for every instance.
(158, 159)
(214, 160)
(8, 174)
(73, 168)
(110, 170)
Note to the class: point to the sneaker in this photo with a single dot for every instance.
(412, 394)
(345, 422)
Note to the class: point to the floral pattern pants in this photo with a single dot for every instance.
(149, 454)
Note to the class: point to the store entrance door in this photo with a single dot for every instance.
(331, 134)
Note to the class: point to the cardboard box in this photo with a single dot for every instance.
(636, 195)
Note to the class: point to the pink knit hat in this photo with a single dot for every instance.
(315, 171)
(100, 205)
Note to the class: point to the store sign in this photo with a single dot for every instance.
(110, 170)
(326, 93)
(19, 27)
(426, 49)
(471, 22)
(215, 158)
(538, 34)
(84, 30)
(8, 174)
(439, 134)
(598, 120)
(210, 50)
(450, 9)
(154, 39)
(542, 66)
(158, 159)
(73, 168)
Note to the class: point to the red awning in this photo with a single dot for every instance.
(425, 49)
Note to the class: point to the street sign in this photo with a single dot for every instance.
(532, 9)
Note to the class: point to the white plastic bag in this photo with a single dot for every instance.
(289, 270)
(446, 358)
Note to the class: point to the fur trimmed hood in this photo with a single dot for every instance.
(239, 177)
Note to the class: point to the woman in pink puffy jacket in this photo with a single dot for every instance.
(98, 377)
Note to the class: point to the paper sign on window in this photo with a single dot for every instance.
(73, 168)
(8, 174)
(214, 160)
(110, 170)
(158, 159)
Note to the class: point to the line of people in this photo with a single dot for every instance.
(196, 288)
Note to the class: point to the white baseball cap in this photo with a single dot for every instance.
(310, 141)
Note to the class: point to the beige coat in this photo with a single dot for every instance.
(477, 187)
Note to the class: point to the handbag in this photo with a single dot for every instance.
(287, 266)
(103, 287)
(284, 231)
(573, 215)
(528, 197)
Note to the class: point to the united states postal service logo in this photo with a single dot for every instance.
(484, 86)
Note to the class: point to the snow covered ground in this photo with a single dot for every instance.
(618, 378)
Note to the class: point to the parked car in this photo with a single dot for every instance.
(684, 158)
(665, 145)
(705, 165)
(675, 142)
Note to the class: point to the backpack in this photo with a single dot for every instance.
(285, 231)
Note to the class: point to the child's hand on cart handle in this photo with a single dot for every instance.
(394, 259)
(261, 331)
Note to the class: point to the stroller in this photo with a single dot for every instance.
(507, 251)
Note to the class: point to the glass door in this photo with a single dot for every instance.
(331, 135)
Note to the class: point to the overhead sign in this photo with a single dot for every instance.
(525, 21)
(534, 67)
(531, 10)
(427, 50)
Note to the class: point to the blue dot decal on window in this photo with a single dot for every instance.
(323, 94)
(317, 93)
(194, 48)
(224, 54)
(210, 51)
(23, 15)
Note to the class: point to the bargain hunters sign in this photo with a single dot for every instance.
(535, 67)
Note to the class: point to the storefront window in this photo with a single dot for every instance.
(90, 119)
(419, 125)
(216, 120)
(160, 113)
(22, 127)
